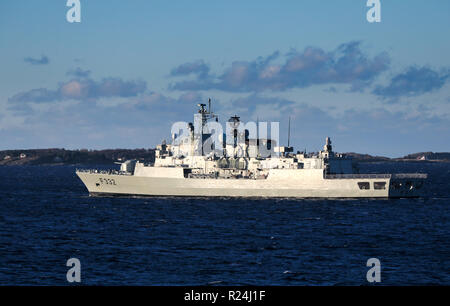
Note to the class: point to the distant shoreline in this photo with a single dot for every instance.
(72, 157)
(59, 157)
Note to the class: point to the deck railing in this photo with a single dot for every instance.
(377, 176)
(410, 175)
(356, 176)
(109, 172)
(326, 176)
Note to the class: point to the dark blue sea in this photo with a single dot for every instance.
(47, 217)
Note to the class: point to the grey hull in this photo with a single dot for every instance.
(293, 187)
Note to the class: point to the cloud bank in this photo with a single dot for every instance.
(82, 89)
(347, 64)
(199, 68)
(79, 73)
(37, 61)
(413, 82)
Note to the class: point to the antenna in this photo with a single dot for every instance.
(289, 132)
(257, 128)
(257, 136)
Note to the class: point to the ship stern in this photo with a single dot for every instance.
(407, 185)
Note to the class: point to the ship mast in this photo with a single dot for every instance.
(205, 115)
(289, 132)
(257, 136)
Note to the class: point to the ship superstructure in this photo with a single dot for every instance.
(204, 161)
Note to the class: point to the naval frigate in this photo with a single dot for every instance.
(237, 165)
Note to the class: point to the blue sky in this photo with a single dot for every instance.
(131, 68)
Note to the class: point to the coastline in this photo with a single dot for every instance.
(64, 157)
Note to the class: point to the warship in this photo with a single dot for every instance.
(237, 165)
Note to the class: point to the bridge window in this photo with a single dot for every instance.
(364, 185)
(187, 173)
(379, 185)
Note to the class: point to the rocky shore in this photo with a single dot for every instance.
(109, 156)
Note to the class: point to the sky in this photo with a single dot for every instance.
(129, 69)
